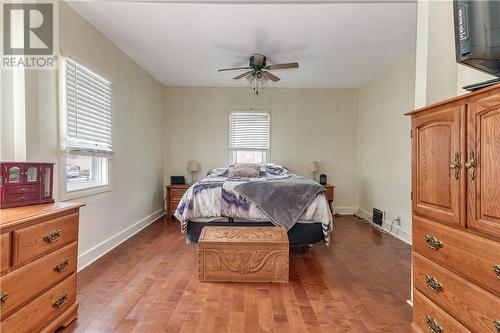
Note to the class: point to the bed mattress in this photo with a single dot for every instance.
(217, 197)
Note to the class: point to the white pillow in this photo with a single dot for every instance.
(244, 170)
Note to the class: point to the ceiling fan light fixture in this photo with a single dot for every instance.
(259, 71)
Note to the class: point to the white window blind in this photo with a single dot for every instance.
(88, 111)
(249, 131)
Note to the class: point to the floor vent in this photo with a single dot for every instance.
(378, 216)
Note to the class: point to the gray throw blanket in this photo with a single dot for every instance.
(282, 200)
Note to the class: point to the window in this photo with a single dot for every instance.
(87, 122)
(249, 137)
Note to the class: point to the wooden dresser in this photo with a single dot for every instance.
(174, 195)
(456, 214)
(39, 246)
(330, 194)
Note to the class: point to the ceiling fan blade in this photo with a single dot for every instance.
(242, 75)
(270, 76)
(283, 66)
(258, 59)
(232, 69)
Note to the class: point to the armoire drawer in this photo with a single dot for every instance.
(474, 256)
(44, 237)
(36, 277)
(474, 307)
(42, 310)
(431, 318)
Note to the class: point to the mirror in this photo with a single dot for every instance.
(32, 174)
(46, 182)
(14, 175)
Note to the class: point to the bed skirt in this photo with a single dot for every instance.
(299, 234)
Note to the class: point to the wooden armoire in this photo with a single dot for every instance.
(456, 214)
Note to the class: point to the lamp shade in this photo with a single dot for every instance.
(193, 166)
(313, 166)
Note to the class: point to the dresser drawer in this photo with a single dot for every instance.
(23, 189)
(329, 193)
(173, 206)
(426, 314)
(21, 197)
(469, 254)
(4, 252)
(44, 237)
(476, 308)
(176, 193)
(42, 310)
(28, 281)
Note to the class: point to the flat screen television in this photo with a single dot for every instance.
(477, 34)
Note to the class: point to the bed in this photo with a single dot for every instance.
(269, 195)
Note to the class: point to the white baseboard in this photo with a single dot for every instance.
(397, 233)
(101, 249)
(345, 210)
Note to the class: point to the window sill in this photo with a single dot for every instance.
(84, 192)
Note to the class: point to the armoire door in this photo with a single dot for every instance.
(483, 166)
(438, 186)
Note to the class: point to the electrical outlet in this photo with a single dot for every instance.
(398, 220)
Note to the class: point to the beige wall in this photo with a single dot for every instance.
(436, 54)
(137, 168)
(385, 145)
(306, 125)
(7, 143)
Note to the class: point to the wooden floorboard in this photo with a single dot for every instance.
(150, 284)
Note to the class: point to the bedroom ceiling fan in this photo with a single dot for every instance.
(259, 70)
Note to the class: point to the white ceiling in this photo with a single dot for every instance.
(183, 44)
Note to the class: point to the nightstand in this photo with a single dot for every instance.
(174, 195)
(330, 194)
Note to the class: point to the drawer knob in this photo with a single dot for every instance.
(496, 323)
(496, 269)
(60, 301)
(52, 236)
(433, 284)
(3, 298)
(433, 324)
(62, 265)
(433, 242)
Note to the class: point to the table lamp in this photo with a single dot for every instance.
(193, 167)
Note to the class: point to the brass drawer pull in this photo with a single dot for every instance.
(496, 269)
(3, 298)
(470, 165)
(62, 265)
(60, 301)
(433, 324)
(496, 323)
(433, 242)
(433, 284)
(456, 166)
(52, 236)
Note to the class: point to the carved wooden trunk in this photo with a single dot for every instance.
(243, 254)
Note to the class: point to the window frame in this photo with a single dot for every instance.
(105, 164)
(231, 151)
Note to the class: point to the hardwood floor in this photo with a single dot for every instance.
(150, 284)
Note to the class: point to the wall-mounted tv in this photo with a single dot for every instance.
(477, 34)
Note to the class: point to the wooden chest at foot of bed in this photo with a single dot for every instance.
(243, 254)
